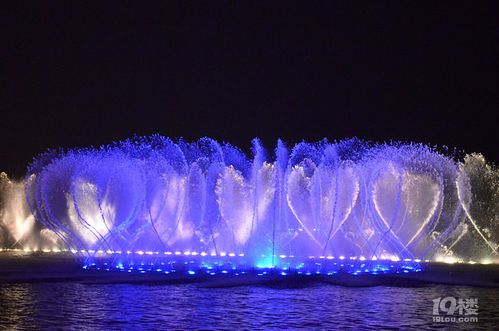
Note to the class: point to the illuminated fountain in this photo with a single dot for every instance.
(18, 228)
(151, 204)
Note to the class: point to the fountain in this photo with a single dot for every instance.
(152, 204)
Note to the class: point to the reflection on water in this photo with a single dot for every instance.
(77, 306)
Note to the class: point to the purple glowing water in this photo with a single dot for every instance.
(345, 199)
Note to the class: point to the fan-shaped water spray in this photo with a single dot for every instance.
(344, 200)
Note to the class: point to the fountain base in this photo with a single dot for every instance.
(29, 267)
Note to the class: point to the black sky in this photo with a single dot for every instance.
(78, 73)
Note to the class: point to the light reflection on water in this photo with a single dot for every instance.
(77, 306)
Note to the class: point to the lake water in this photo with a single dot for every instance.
(77, 306)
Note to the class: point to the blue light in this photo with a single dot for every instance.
(265, 262)
(311, 267)
(293, 266)
(224, 185)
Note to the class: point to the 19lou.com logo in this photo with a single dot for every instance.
(455, 310)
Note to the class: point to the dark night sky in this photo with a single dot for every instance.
(87, 75)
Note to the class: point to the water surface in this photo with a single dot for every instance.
(76, 306)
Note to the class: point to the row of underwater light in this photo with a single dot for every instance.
(103, 253)
(210, 264)
(193, 263)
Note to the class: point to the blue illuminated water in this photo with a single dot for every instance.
(293, 208)
(348, 198)
(74, 306)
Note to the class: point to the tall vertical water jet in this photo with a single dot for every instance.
(346, 200)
